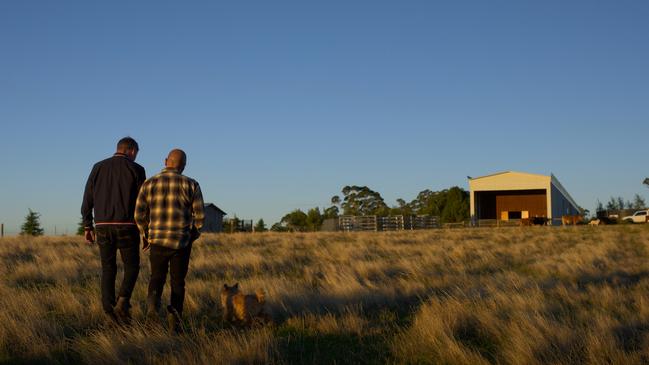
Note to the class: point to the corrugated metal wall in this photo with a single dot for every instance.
(213, 220)
(560, 205)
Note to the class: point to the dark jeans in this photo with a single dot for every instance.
(165, 259)
(126, 239)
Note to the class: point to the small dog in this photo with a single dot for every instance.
(242, 307)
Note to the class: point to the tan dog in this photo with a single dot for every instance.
(242, 307)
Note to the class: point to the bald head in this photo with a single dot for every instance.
(176, 160)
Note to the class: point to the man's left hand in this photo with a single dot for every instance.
(89, 234)
(194, 234)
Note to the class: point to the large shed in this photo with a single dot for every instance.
(515, 195)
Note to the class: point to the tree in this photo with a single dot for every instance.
(32, 225)
(646, 182)
(279, 227)
(456, 208)
(361, 200)
(331, 212)
(81, 228)
(638, 202)
(295, 220)
(451, 205)
(612, 204)
(620, 203)
(260, 226)
(403, 208)
(314, 219)
(428, 202)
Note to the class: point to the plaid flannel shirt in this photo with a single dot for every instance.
(168, 208)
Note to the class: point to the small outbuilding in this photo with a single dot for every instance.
(213, 218)
(514, 195)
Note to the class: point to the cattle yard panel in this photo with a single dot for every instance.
(238, 225)
(391, 223)
(350, 223)
(422, 222)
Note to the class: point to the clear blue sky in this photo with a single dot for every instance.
(279, 104)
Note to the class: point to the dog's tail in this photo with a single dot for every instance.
(261, 296)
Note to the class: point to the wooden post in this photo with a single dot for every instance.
(2, 230)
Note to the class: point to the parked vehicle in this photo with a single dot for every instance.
(637, 217)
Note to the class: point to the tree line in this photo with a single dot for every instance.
(620, 204)
(450, 205)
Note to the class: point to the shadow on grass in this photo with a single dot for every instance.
(33, 282)
(631, 337)
(555, 350)
(18, 258)
(473, 335)
(297, 346)
(56, 357)
(314, 302)
(395, 311)
(618, 279)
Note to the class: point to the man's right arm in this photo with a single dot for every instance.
(88, 204)
(88, 199)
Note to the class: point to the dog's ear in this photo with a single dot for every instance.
(225, 286)
(236, 286)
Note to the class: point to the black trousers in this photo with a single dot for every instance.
(110, 239)
(176, 262)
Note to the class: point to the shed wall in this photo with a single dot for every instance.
(213, 221)
(561, 205)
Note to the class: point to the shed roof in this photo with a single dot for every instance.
(211, 205)
(508, 172)
(509, 180)
(563, 191)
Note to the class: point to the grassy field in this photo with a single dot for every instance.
(537, 295)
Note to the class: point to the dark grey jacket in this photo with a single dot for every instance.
(111, 190)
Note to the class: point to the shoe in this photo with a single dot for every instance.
(111, 319)
(122, 310)
(174, 323)
(152, 309)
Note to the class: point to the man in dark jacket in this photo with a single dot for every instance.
(112, 190)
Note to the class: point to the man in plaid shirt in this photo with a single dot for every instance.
(169, 214)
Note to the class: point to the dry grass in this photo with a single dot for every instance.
(576, 295)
